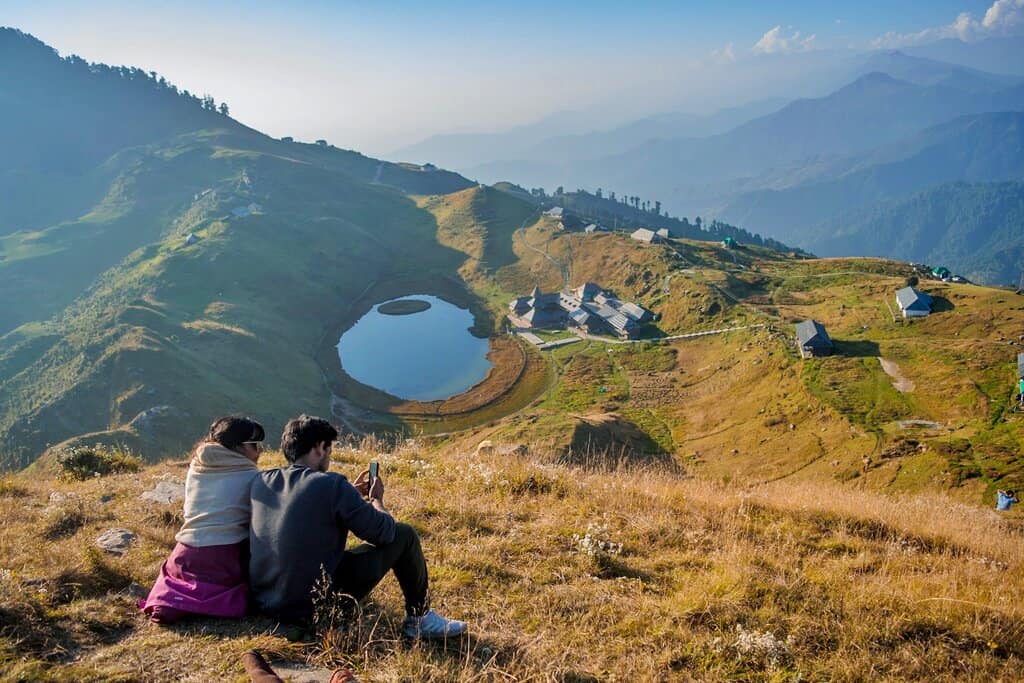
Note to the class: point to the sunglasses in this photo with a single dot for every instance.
(257, 444)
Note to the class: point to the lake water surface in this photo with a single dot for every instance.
(422, 356)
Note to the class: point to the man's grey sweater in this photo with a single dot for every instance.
(300, 522)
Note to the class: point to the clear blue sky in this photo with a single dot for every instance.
(375, 75)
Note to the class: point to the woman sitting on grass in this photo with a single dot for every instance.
(205, 573)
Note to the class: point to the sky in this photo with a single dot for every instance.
(375, 76)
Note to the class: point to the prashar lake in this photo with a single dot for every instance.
(426, 355)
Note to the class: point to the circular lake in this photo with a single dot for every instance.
(424, 356)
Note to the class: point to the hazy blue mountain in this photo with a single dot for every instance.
(463, 150)
(982, 147)
(975, 229)
(874, 110)
(976, 148)
(923, 71)
(1000, 55)
(571, 136)
(583, 146)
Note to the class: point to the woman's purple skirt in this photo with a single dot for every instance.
(209, 580)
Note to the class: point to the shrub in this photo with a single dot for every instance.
(83, 462)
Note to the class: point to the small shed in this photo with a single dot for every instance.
(812, 339)
(913, 303)
(941, 273)
(555, 212)
(664, 233)
(729, 243)
(645, 235)
(190, 239)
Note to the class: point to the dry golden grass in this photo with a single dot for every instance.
(564, 573)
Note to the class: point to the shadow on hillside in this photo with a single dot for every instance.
(856, 349)
(652, 331)
(607, 442)
(941, 304)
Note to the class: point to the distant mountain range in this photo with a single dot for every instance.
(806, 171)
(559, 137)
(811, 213)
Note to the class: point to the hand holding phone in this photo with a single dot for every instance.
(374, 485)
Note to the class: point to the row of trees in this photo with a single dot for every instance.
(632, 211)
(637, 203)
(150, 79)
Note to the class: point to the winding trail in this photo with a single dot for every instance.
(563, 269)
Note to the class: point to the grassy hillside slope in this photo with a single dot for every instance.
(189, 329)
(564, 573)
(742, 405)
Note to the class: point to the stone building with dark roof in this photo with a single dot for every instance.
(587, 307)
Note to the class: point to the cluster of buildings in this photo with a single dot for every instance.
(938, 273)
(588, 307)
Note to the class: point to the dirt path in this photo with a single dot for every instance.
(899, 382)
(563, 269)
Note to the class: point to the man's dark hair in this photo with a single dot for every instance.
(234, 430)
(303, 433)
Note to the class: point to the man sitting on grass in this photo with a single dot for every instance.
(301, 516)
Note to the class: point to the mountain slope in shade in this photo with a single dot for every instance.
(98, 161)
(985, 147)
(976, 229)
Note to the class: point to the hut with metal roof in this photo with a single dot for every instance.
(913, 303)
(645, 235)
(812, 339)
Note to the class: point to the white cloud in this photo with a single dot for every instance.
(724, 55)
(775, 42)
(1004, 17)
(1004, 14)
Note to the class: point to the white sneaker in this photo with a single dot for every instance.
(432, 626)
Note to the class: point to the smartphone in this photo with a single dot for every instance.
(374, 471)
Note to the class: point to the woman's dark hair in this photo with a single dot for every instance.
(234, 430)
(303, 433)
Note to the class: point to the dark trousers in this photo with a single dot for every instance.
(364, 566)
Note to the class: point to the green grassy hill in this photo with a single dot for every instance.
(227, 322)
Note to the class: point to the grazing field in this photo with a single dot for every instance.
(598, 571)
